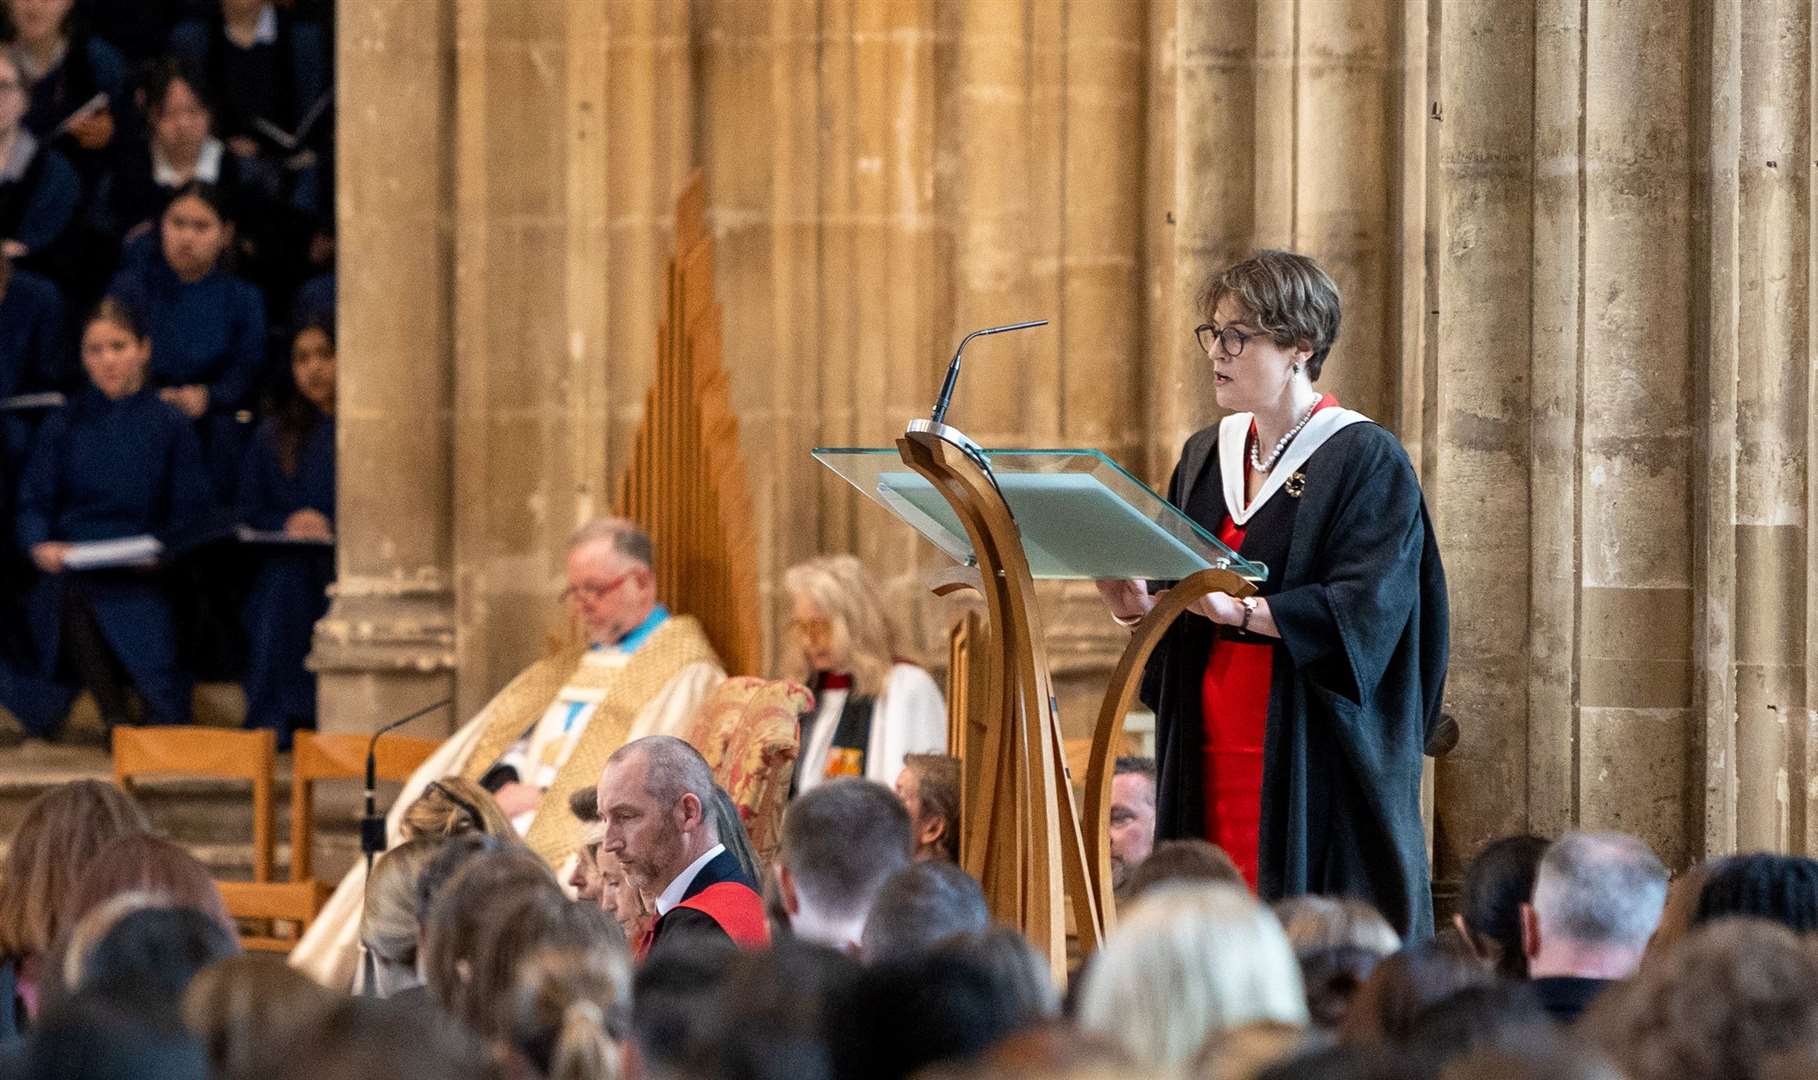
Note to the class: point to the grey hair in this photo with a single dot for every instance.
(627, 537)
(1600, 889)
(674, 769)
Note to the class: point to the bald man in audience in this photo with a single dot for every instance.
(1597, 900)
(654, 801)
(640, 671)
(841, 842)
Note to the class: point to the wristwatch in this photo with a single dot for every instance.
(1249, 605)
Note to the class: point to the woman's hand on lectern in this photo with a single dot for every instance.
(1126, 597)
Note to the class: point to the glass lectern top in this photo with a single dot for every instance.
(1082, 515)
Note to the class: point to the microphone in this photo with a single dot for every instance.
(939, 415)
(372, 826)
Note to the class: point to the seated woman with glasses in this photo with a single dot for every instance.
(872, 708)
(1290, 724)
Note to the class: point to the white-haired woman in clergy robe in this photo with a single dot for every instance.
(872, 707)
(642, 671)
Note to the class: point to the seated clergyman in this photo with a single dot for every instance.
(641, 672)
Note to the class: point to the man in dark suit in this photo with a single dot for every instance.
(653, 799)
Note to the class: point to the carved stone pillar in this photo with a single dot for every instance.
(387, 645)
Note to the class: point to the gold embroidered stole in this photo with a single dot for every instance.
(674, 645)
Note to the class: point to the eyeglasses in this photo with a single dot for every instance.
(593, 593)
(1230, 340)
(813, 631)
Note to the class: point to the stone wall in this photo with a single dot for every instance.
(1573, 240)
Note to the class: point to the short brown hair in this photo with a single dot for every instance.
(937, 778)
(141, 862)
(1175, 861)
(62, 830)
(1287, 295)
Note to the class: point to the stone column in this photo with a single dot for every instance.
(1477, 482)
(387, 645)
(1636, 679)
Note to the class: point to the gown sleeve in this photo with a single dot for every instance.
(34, 516)
(51, 204)
(1341, 628)
(245, 350)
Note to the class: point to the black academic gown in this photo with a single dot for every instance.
(102, 470)
(1360, 601)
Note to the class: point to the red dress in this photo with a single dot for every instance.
(1234, 702)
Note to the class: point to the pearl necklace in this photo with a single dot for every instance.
(1281, 444)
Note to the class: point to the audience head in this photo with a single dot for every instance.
(1496, 885)
(55, 842)
(1733, 995)
(40, 20)
(388, 926)
(462, 914)
(620, 899)
(570, 1009)
(667, 990)
(841, 841)
(1177, 862)
(1316, 923)
(1332, 977)
(1244, 1052)
(920, 906)
(115, 349)
(838, 622)
(611, 578)
(1132, 816)
(945, 1004)
(150, 955)
(777, 1013)
(1597, 899)
(312, 364)
(179, 112)
(397, 1038)
(929, 787)
(93, 1037)
(141, 862)
(584, 804)
(1404, 986)
(1498, 1015)
(248, 1011)
(1188, 962)
(454, 805)
(196, 229)
(1780, 888)
(654, 798)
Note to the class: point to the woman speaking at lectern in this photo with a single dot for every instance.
(1290, 724)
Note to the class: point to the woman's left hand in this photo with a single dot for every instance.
(191, 401)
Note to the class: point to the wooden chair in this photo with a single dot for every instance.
(340, 757)
(273, 903)
(217, 753)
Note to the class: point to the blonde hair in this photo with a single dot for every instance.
(246, 1009)
(388, 925)
(570, 1009)
(860, 625)
(1191, 961)
(61, 831)
(454, 805)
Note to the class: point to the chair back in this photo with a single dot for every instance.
(273, 902)
(316, 758)
(216, 753)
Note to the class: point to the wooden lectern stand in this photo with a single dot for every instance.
(1021, 832)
